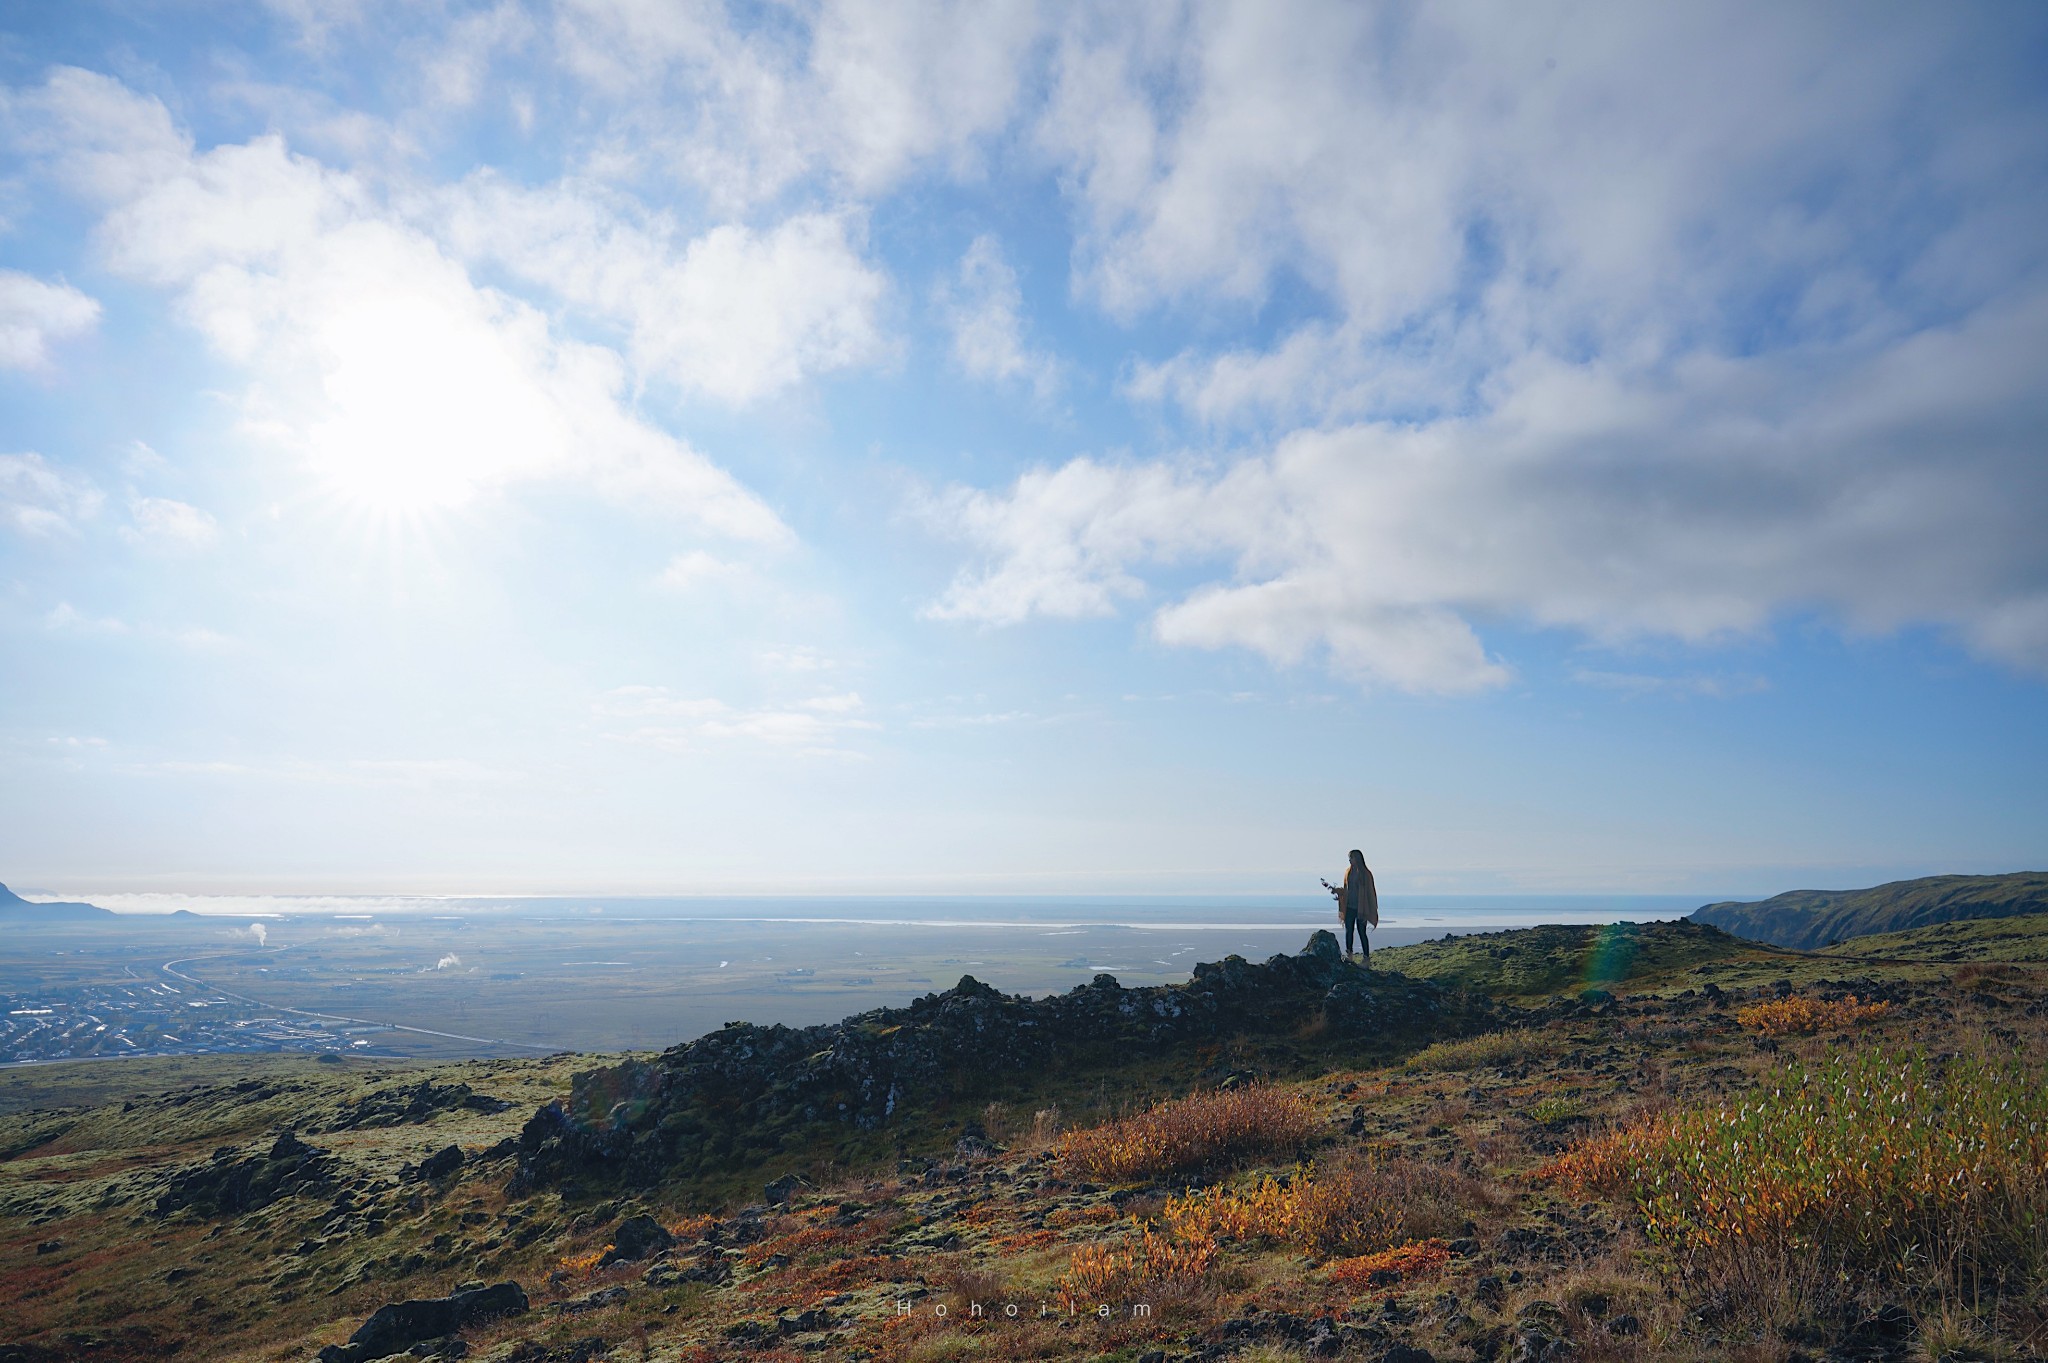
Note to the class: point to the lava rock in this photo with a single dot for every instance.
(598, 1300)
(413, 1104)
(783, 1190)
(744, 1089)
(441, 1163)
(228, 1186)
(638, 1237)
(397, 1326)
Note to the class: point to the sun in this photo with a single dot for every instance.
(422, 408)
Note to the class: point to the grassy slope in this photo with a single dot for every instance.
(278, 1282)
(2018, 939)
(1532, 963)
(1810, 919)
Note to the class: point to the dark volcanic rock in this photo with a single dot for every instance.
(412, 1104)
(441, 1163)
(226, 1186)
(638, 1237)
(741, 1092)
(397, 1326)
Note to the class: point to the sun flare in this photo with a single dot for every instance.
(426, 406)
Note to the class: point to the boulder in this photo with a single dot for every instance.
(397, 1326)
(230, 1186)
(638, 1237)
(441, 1163)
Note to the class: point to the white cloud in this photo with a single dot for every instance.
(370, 353)
(1634, 685)
(100, 138)
(802, 658)
(1461, 188)
(982, 305)
(39, 499)
(160, 522)
(1882, 485)
(734, 314)
(34, 313)
(816, 725)
(65, 618)
(1586, 343)
(687, 572)
(860, 92)
(455, 71)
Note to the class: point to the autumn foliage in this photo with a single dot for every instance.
(1416, 1259)
(1801, 1016)
(1877, 1161)
(1354, 1207)
(1131, 1269)
(1201, 1131)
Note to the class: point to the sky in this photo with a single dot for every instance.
(654, 446)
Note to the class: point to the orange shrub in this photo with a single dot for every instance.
(858, 1271)
(1349, 1208)
(1108, 1274)
(1062, 1217)
(1786, 1017)
(1416, 1259)
(796, 1244)
(1201, 1131)
(581, 1265)
(691, 1229)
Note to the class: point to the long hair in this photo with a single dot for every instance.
(1357, 860)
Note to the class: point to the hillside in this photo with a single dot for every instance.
(1528, 963)
(1809, 919)
(1358, 1171)
(15, 909)
(2015, 940)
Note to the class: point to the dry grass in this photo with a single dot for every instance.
(1878, 1164)
(1417, 1259)
(1491, 1051)
(1803, 1016)
(1352, 1207)
(1199, 1132)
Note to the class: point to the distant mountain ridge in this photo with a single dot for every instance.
(1809, 919)
(16, 909)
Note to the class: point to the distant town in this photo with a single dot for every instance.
(169, 1017)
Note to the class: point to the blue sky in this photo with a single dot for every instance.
(614, 446)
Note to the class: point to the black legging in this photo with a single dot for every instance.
(1353, 925)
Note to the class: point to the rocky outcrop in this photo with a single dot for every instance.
(230, 1186)
(638, 1237)
(741, 1092)
(411, 1105)
(397, 1326)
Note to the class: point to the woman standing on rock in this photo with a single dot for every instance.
(1359, 903)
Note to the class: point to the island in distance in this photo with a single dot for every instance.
(15, 909)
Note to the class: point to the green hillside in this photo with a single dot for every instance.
(2020, 939)
(1525, 963)
(1808, 919)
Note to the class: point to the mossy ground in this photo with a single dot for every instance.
(913, 1214)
